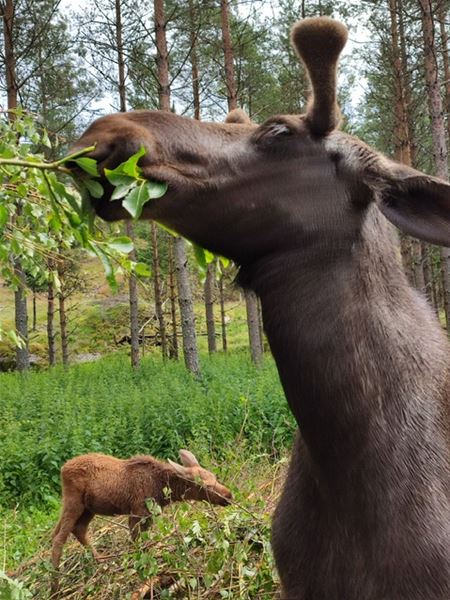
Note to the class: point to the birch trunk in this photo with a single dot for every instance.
(157, 290)
(20, 299)
(222, 314)
(51, 336)
(186, 308)
(134, 305)
(173, 351)
(209, 308)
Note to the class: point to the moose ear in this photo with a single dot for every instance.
(178, 468)
(188, 459)
(419, 205)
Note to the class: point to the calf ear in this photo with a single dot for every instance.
(419, 205)
(188, 459)
(178, 468)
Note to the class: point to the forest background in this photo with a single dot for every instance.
(118, 292)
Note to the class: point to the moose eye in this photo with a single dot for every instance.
(271, 133)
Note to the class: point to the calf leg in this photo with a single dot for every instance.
(80, 531)
(138, 524)
(72, 511)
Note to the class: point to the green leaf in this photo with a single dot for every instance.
(87, 164)
(200, 256)
(4, 214)
(130, 167)
(127, 171)
(45, 139)
(118, 179)
(94, 188)
(142, 270)
(136, 199)
(121, 244)
(157, 189)
(122, 190)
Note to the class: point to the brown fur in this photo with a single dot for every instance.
(97, 484)
(304, 211)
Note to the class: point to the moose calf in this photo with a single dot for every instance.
(100, 484)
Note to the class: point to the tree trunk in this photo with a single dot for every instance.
(51, 336)
(20, 299)
(184, 289)
(10, 59)
(437, 129)
(251, 302)
(132, 280)
(194, 59)
(120, 57)
(162, 55)
(33, 328)
(209, 307)
(21, 318)
(230, 80)
(134, 309)
(62, 311)
(222, 314)
(186, 308)
(157, 291)
(63, 329)
(173, 351)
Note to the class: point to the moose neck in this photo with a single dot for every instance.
(342, 325)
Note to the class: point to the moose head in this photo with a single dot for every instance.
(246, 191)
(303, 209)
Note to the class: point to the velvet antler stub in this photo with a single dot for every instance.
(319, 42)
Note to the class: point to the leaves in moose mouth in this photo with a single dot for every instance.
(130, 185)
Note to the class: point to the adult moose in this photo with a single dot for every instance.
(304, 210)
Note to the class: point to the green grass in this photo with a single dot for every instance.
(48, 417)
(235, 419)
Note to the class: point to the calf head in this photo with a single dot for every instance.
(207, 487)
(291, 184)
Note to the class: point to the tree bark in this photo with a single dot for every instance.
(10, 58)
(134, 308)
(33, 328)
(437, 129)
(120, 57)
(162, 55)
(251, 302)
(209, 307)
(186, 308)
(20, 299)
(51, 336)
(63, 329)
(230, 79)
(222, 314)
(157, 290)
(194, 59)
(62, 312)
(173, 351)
